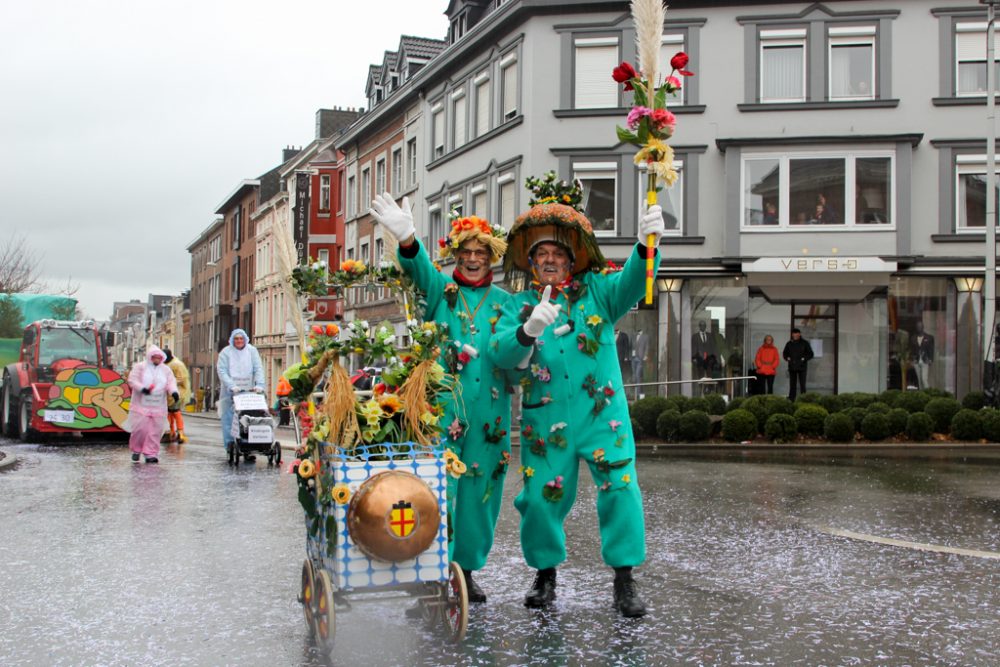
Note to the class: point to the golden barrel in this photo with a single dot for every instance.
(393, 516)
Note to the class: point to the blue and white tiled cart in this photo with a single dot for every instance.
(331, 574)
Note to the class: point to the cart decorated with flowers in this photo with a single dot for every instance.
(372, 476)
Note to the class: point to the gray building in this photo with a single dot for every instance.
(832, 161)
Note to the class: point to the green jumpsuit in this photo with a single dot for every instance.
(476, 420)
(573, 407)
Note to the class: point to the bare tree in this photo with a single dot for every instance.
(20, 266)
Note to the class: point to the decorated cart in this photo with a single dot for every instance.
(372, 476)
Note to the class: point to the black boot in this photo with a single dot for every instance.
(476, 593)
(627, 600)
(543, 591)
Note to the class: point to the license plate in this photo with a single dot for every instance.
(58, 416)
(257, 435)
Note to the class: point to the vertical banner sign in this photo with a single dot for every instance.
(300, 216)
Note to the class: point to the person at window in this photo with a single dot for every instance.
(797, 353)
(826, 214)
(922, 353)
(800, 218)
(175, 417)
(476, 419)
(239, 369)
(559, 332)
(152, 384)
(770, 213)
(766, 363)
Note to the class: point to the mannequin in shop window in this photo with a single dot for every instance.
(624, 346)
(704, 354)
(922, 354)
(640, 354)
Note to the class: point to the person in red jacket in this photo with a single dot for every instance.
(766, 362)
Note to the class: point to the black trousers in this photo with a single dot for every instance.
(765, 383)
(801, 377)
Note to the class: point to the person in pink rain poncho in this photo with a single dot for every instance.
(151, 381)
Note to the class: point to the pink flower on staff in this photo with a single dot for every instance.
(635, 115)
(661, 118)
(673, 84)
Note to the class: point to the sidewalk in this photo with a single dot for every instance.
(730, 450)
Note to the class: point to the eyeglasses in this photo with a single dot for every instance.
(465, 253)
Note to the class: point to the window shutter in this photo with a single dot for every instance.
(970, 46)
(482, 108)
(594, 86)
(507, 204)
(438, 131)
(510, 91)
(459, 121)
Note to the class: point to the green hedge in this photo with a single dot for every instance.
(716, 404)
(781, 428)
(879, 406)
(839, 427)
(739, 425)
(966, 425)
(919, 427)
(811, 419)
(646, 410)
(875, 426)
(695, 426)
(912, 401)
(668, 425)
(941, 410)
(991, 424)
(974, 400)
(897, 421)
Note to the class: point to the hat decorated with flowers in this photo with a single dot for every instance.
(554, 217)
(473, 228)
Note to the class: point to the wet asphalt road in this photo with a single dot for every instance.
(192, 562)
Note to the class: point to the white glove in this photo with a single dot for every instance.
(398, 220)
(651, 223)
(542, 315)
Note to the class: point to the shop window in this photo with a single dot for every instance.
(600, 186)
(921, 334)
(797, 191)
(713, 336)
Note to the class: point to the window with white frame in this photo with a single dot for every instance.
(352, 197)
(970, 191)
(323, 255)
(456, 207)
(479, 201)
(600, 187)
(397, 170)
(970, 59)
(437, 127)
(340, 195)
(380, 176)
(434, 229)
(671, 199)
(366, 186)
(783, 65)
(838, 190)
(594, 58)
(508, 86)
(852, 63)
(458, 106)
(482, 101)
(411, 158)
(506, 191)
(364, 256)
(350, 253)
(670, 45)
(324, 192)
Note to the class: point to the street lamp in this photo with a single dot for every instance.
(989, 291)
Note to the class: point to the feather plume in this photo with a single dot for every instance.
(648, 16)
(287, 259)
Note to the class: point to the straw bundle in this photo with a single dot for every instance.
(648, 16)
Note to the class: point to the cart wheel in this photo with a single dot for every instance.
(455, 609)
(231, 450)
(277, 453)
(324, 620)
(306, 593)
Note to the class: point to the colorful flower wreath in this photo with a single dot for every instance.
(474, 228)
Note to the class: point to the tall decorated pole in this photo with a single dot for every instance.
(649, 123)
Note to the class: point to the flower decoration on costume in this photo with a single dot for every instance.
(451, 294)
(473, 471)
(340, 493)
(541, 372)
(614, 424)
(494, 433)
(587, 345)
(527, 471)
(455, 429)
(455, 467)
(556, 438)
(553, 490)
(597, 394)
(499, 471)
(307, 469)
(474, 228)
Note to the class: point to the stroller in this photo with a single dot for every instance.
(253, 429)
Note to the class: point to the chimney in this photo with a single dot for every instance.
(330, 121)
(288, 152)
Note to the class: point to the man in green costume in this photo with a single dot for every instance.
(560, 333)
(476, 420)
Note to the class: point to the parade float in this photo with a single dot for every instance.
(370, 469)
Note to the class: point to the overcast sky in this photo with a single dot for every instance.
(125, 123)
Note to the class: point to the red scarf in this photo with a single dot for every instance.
(465, 282)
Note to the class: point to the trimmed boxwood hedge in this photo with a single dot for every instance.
(879, 406)
(839, 427)
(941, 410)
(716, 404)
(781, 428)
(890, 396)
(735, 404)
(912, 401)
(739, 425)
(966, 425)
(875, 426)
(678, 402)
(808, 397)
(811, 419)
(857, 414)
(974, 400)
(646, 410)
(832, 403)
(897, 420)
(697, 403)
(668, 425)
(695, 426)
(637, 431)
(991, 424)
(919, 427)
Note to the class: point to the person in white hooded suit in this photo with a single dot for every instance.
(151, 382)
(240, 369)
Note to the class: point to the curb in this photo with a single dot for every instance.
(8, 459)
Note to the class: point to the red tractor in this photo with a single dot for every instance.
(62, 383)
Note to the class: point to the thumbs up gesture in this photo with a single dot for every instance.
(542, 315)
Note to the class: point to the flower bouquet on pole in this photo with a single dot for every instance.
(650, 124)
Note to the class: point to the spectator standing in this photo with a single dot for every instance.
(797, 353)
